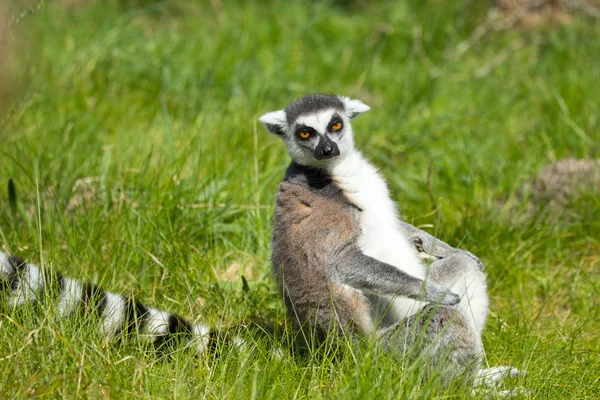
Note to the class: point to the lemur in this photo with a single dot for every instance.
(22, 282)
(347, 264)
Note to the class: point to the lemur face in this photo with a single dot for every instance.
(316, 128)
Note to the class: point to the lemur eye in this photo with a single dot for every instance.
(304, 135)
(418, 244)
(336, 126)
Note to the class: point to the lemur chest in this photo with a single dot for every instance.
(381, 235)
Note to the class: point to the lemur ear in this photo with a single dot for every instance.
(353, 108)
(275, 122)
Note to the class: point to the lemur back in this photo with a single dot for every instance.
(313, 223)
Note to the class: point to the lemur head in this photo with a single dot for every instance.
(316, 128)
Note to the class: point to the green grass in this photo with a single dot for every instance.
(158, 103)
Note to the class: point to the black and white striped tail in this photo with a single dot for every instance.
(22, 282)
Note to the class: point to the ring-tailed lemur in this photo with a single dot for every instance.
(22, 282)
(342, 255)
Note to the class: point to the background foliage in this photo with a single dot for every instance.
(133, 144)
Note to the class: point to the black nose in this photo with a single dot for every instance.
(327, 150)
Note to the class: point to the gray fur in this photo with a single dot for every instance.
(437, 335)
(311, 104)
(322, 273)
(326, 281)
(442, 334)
(449, 338)
(432, 248)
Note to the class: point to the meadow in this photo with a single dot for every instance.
(137, 161)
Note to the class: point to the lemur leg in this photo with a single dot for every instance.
(448, 337)
(471, 287)
(461, 273)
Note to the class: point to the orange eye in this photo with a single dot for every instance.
(337, 126)
(304, 135)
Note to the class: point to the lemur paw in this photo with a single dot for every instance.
(451, 299)
(492, 377)
(435, 293)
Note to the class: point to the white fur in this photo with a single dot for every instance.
(201, 338)
(519, 391)
(277, 353)
(5, 266)
(382, 236)
(474, 301)
(114, 313)
(239, 343)
(30, 284)
(70, 297)
(353, 107)
(491, 377)
(157, 323)
(319, 121)
(274, 118)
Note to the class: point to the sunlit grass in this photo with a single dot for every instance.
(138, 163)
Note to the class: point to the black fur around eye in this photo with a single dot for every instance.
(305, 132)
(336, 125)
(418, 243)
(304, 135)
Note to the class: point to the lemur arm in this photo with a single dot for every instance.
(356, 269)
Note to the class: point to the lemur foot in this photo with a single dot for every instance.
(492, 377)
(488, 379)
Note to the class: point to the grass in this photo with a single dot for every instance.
(138, 162)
